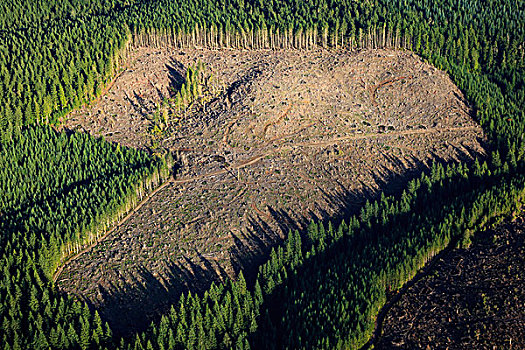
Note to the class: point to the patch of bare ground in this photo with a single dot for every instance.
(294, 135)
(471, 298)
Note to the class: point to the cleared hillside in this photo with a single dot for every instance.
(276, 139)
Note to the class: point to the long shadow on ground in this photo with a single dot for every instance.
(132, 307)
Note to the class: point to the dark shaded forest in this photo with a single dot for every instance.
(322, 288)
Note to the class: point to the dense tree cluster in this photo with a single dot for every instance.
(321, 288)
(57, 193)
(22, 14)
(46, 70)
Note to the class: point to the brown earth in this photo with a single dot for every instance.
(288, 136)
(471, 298)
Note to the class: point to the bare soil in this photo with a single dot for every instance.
(290, 136)
(471, 299)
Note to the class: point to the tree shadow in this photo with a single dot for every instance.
(138, 104)
(133, 306)
(251, 250)
(176, 75)
(144, 297)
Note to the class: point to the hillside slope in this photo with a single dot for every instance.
(285, 137)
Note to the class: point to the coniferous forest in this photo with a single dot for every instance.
(322, 288)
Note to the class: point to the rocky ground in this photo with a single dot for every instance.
(286, 136)
(471, 299)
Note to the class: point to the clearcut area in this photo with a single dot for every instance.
(265, 141)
